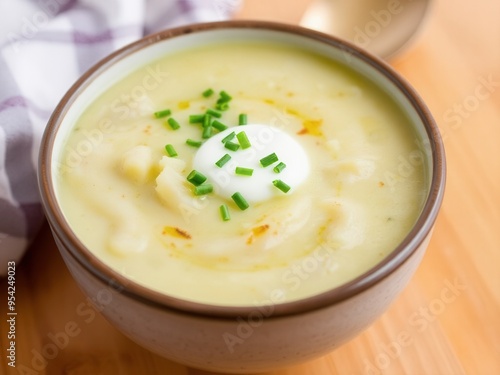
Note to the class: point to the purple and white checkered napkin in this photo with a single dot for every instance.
(45, 45)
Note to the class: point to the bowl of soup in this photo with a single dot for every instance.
(241, 196)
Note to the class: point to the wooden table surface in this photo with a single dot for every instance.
(447, 321)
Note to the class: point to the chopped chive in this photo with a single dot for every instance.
(279, 167)
(222, 106)
(207, 132)
(193, 143)
(231, 146)
(196, 119)
(196, 178)
(269, 159)
(214, 113)
(223, 101)
(170, 150)
(244, 171)
(242, 119)
(164, 113)
(243, 140)
(228, 137)
(224, 96)
(240, 201)
(173, 123)
(224, 212)
(207, 121)
(219, 125)
(203, 189)
(281, 185)
(207, 93)
(223, 160)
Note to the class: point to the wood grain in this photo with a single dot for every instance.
(447, 321)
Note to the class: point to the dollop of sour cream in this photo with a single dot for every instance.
(259, 187)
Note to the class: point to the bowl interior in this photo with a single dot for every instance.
(144, 53)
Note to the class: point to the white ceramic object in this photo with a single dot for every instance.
(382, 27)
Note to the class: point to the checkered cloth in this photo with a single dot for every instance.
(45, 45)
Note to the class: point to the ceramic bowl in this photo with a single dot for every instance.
(246, 338)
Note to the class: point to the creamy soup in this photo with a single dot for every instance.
(318, 197)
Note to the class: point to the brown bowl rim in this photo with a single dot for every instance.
(108, 276)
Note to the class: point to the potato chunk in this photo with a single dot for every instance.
(171, 184)
(137, 164)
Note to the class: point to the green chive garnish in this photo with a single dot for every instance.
(269, 159)
(224, 212)
(219, 125)
(207, 132)
(173, 124)
(207, 93)
(223, 160)
(207, 121)
(196, 119)
(242, 119)
(193, 143)
(170, 150)
(244, 171)
(243, 140)
(214, 113)
(281, 185)
(196, 178)
(224, 96)
(164, 113)
(279, 167)
(228, 137)
(223, 106)
(203, 189)
(223, 101)
(231, 146)
(240, 201)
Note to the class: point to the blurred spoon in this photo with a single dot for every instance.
(383, 27)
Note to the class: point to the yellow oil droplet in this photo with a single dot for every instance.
(183, 105)
(312, 127)
(176, 232)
